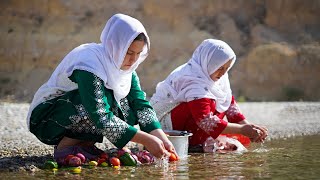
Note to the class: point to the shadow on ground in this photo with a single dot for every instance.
(20, 163)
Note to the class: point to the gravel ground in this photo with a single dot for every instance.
(20, 150)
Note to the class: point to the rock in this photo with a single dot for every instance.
(268, 68)
(261, 34)
(229, 32)
(35, 36)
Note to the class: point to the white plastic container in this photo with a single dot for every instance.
(180, 141)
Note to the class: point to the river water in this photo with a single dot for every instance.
(291, 152)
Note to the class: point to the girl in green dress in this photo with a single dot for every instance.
(95, 92)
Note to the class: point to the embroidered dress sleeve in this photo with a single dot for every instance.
(146, 116)
(202, 113)
(234, 114)
(95, 101)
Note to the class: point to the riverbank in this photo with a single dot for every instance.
(22, 151)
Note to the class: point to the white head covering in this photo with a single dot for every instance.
(105, 59)
(192, 80)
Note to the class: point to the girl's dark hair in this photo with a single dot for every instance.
(141, 37)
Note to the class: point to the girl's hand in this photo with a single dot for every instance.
(156, 147)
(169, 146)
(153, 144)
(263, 131)
(254, 132)
(166, 142)
(251, 131)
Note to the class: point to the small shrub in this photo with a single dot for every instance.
(293, 94)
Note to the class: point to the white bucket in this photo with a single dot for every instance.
(180, 141)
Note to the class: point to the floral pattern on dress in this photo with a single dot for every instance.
(233, 111)
(81, 122)
(146, 116)
(209, 122)
(97, 83)
(124, 105)
(114, 127)
(115, 109)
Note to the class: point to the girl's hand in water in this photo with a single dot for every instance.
(166, 142)
(263, 133)
(261, 130)
(251, 131)
(153, 144)
(156, 147)
(169, 146)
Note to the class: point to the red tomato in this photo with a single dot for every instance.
(104, 155)
(114, 161)
(173, 157)
(101, 160)
(67, 158)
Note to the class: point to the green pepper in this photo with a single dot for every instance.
(50, 165)
(128, 160)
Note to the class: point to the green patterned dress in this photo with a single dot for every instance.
(91, 112)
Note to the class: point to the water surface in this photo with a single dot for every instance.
(288, 158)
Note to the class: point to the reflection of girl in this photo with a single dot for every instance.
(196, 96)
(95, 92)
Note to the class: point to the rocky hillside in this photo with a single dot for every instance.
(276, 41)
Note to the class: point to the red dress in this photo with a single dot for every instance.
(201, 118)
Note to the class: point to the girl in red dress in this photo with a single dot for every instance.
(197, 96)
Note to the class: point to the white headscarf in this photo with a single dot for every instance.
(192, 80)
(105, 59)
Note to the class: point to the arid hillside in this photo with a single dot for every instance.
(276, 41)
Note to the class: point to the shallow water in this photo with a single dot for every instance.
(291, 158)
(284, 119)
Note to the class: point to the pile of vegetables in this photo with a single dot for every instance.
(114, 158)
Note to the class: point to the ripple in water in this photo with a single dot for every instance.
(261, 149)
(284, 119)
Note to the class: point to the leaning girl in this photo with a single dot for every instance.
(197, 96)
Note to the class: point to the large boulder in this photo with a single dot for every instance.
(279, 72)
